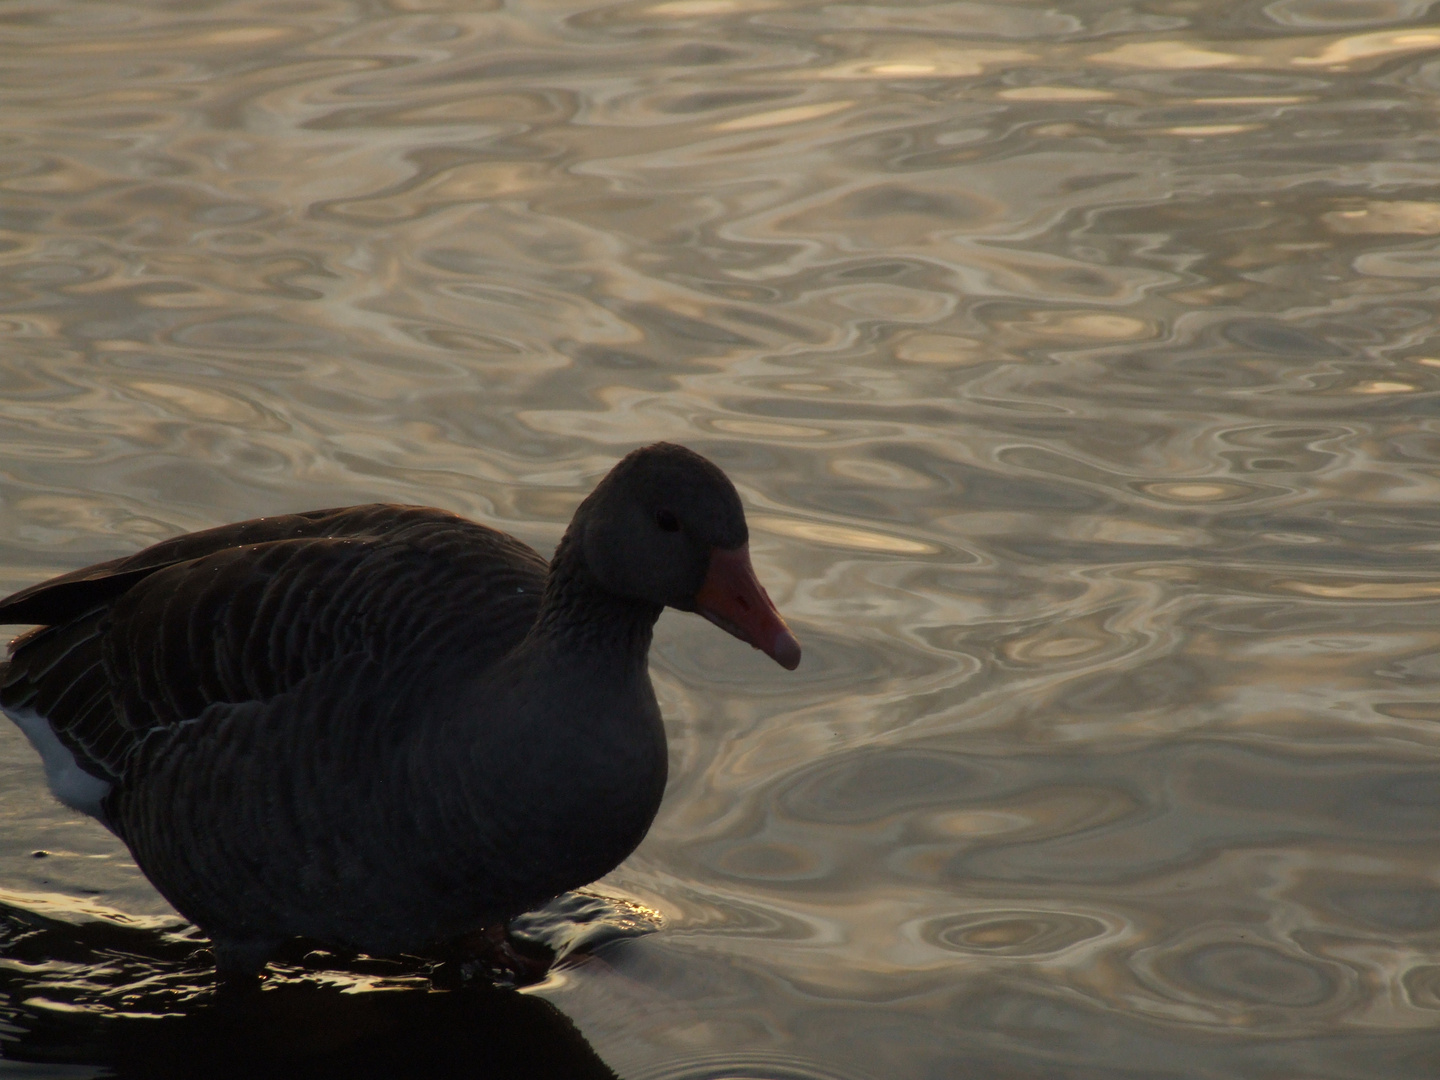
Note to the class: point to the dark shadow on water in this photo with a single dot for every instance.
(318, 1031)
(131, 1001)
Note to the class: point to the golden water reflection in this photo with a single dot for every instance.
(1075, 362)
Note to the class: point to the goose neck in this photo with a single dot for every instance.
(581, 617)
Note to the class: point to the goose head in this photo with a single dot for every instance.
(666, 527)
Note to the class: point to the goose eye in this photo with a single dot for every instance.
(667, 521)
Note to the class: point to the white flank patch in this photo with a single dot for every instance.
(68, 782)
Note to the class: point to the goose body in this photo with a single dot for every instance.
(379, 727)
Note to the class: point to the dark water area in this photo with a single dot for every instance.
(1079, 367)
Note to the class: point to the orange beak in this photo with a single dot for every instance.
(733, 599)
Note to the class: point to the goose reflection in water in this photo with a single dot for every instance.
(139, 1002)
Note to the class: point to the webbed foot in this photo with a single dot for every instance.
(492, 955)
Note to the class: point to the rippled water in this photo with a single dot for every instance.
(1078, 365)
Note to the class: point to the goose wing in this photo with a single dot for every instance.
(247, 612)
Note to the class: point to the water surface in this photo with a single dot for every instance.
(1078, 364)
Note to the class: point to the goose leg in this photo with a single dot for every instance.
(240, 963)
(495, 956)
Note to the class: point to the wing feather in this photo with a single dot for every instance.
(208, 624)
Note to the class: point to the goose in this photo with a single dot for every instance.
(380, 728)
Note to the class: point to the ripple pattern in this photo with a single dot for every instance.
(1079, 367)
